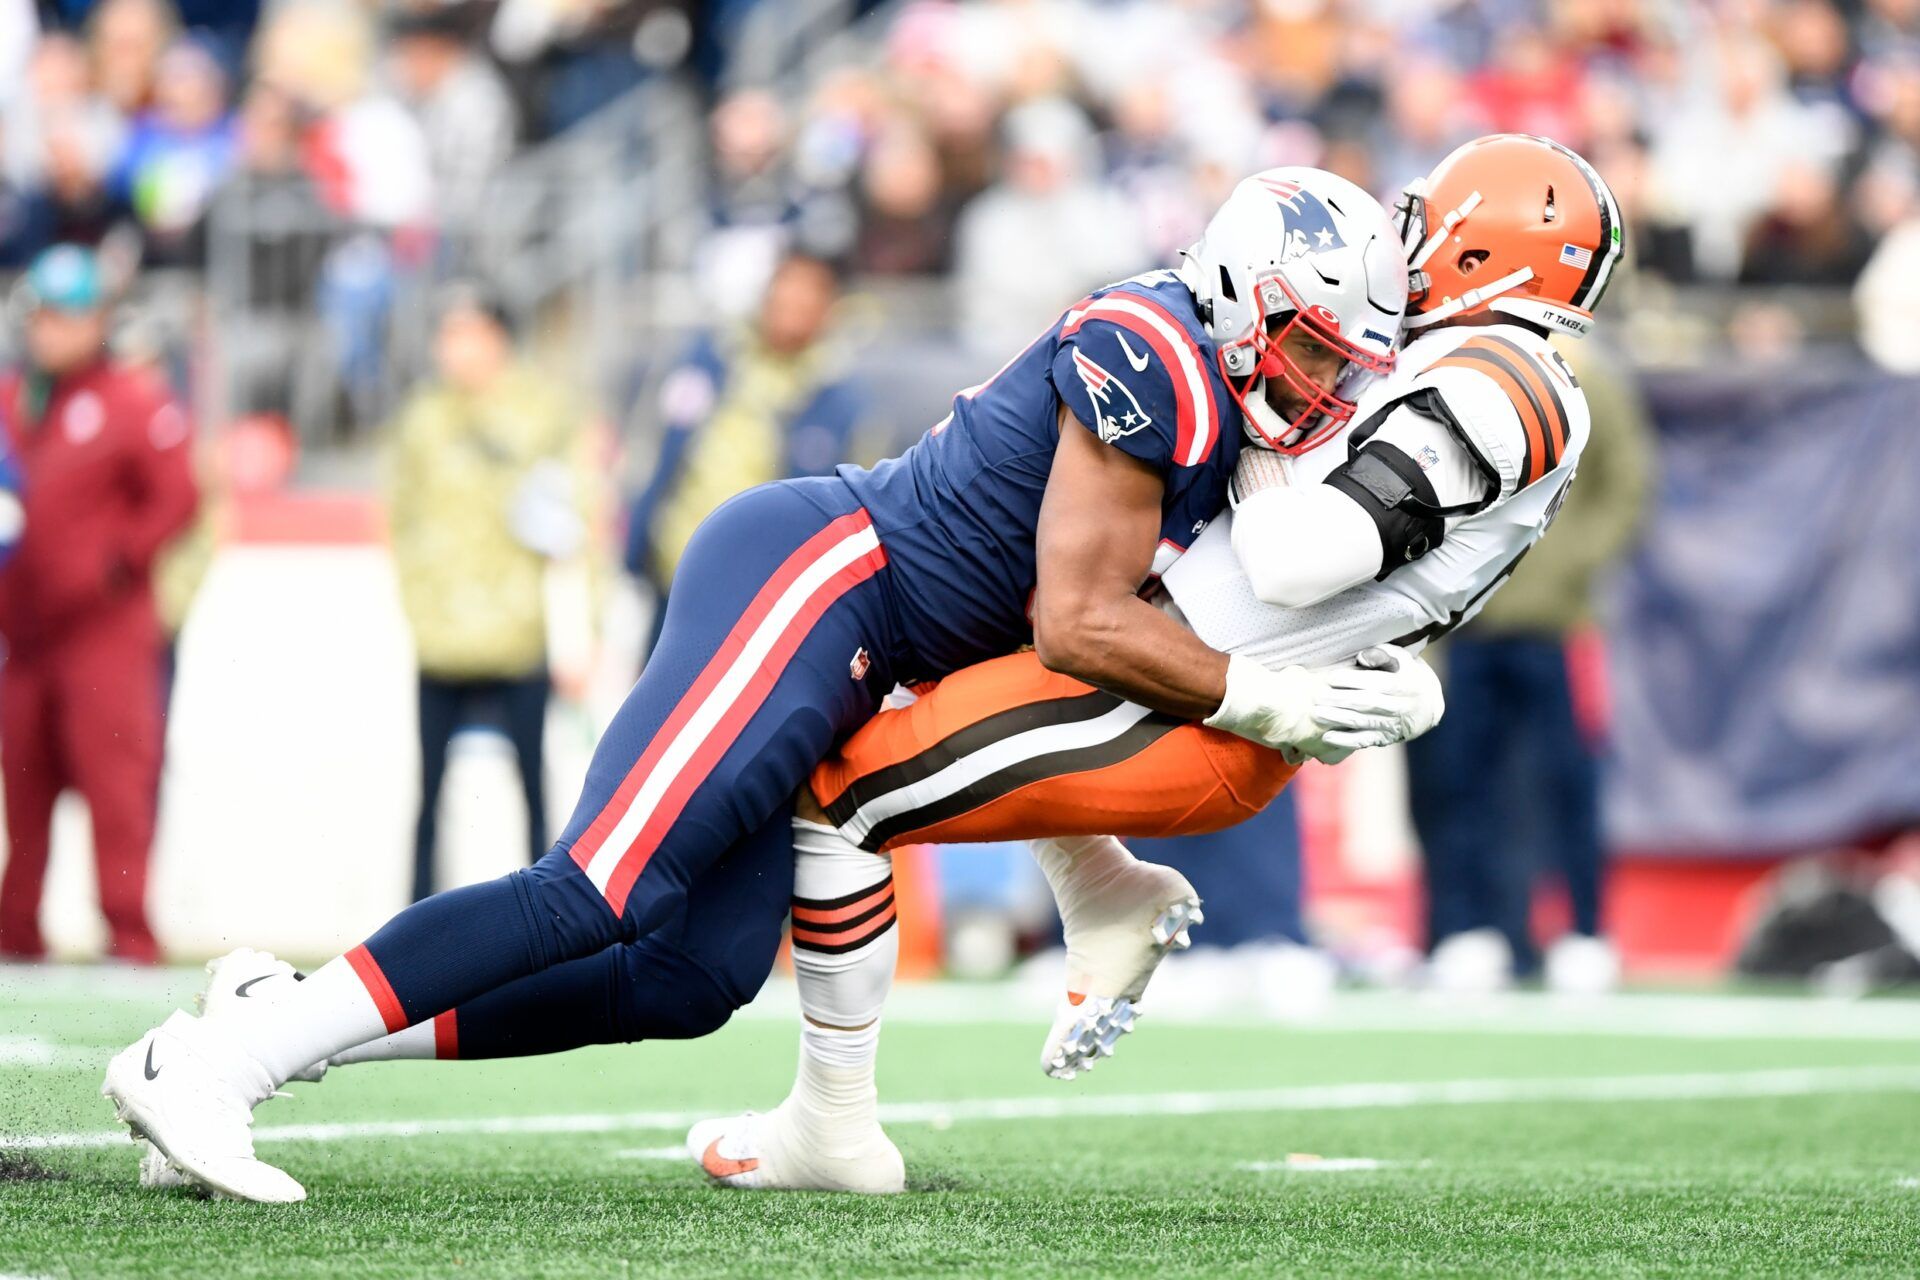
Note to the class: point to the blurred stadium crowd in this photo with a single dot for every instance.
(762, 236)
(1027, 147)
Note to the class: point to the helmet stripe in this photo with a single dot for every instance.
(1600, 269)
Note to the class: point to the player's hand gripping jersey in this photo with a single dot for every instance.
(1460, 459)
(958, 512)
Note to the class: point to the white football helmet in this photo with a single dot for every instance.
(1299, 246)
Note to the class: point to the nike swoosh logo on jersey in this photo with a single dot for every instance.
(249, 984)
(153, 1072)
(1139, 363)
(719, 1166)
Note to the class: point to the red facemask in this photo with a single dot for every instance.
(1322, 410)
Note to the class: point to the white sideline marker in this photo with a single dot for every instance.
(1066, 1105)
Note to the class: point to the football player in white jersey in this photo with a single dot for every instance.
(1415, 507)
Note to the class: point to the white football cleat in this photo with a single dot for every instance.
(183, 1089)
(1475, 962)
(1086, 1028)
(1121, 917)
(773, 1152)
(1582, 965)
(244, 979)
(156, 1172)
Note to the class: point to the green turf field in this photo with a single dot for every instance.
(1669, 1139)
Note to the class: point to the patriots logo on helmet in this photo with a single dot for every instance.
(1310, 228)
(1118, 417)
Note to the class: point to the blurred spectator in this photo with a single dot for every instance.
(1509, 781)
(1428, 113)
(907, 227)
(757, 206)
(364, 150)
(58, 141)
(126, 39)
(761, 403)
(178, 153)
(287, 232)
(460, 101)
(1531, 85)
(1720, 160)
(593, 51)
(1046, 233)
(487, 488)
(1808, 236)
(104, 453)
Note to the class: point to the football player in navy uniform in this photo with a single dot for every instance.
(1415, 512)
(1033, 514)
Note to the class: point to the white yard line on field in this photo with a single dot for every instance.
(34, 1052)
(1298, 1163)
(1655, 1015)
(1066, 1105)
(1660, 1015)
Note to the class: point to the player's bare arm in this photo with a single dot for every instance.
(1099, 525)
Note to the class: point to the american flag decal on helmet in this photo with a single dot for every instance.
(1572, 255)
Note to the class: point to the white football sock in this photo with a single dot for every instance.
(840, 893)
(844, 940)
(834, 1100)
(331, 1009)
(414, 1043)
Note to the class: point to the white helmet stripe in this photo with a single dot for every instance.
(1608, 252)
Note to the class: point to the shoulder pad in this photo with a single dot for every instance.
(1134, 355)
(1506, 407)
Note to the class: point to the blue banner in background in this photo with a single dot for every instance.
(1766, 635)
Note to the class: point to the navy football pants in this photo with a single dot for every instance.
(779, 640)
(1506, 786)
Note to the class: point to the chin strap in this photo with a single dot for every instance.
(1471, 298)
(1447, 225)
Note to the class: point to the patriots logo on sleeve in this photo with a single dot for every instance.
(1119, 416)
(1310, 227)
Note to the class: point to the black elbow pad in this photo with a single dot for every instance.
(1391, 488)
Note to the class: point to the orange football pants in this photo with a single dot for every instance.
(1008, 750)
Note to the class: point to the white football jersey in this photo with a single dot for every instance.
(1494, 417)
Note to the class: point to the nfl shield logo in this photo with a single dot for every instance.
(860, 665)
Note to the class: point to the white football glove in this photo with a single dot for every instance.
(1385, 695)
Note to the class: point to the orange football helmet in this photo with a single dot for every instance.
(1541, 230)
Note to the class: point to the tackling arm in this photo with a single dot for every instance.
(1099, 524)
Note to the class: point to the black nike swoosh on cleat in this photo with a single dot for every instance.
(152, 1071)
(241, 990)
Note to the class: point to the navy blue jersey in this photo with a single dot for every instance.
(958, 511)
